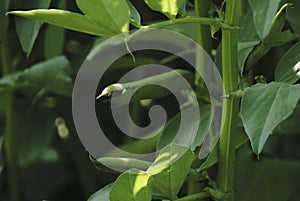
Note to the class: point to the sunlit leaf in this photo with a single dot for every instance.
(132, 185)
(66, 19)
(113, 15)
(170, 169)
(102, 194)
(170, 8)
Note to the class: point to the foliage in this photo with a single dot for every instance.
(255, 45)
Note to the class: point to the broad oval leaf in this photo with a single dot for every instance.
(66, 19)
(264, 106)
(170, 169)
(132, 185)
(114, 15)
(102, 194)
(263, 15)
(170, 8)
(53, 74)
(285, 71)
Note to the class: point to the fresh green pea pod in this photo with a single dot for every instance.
(257, 53)
(274, 38)
(135, 17)
(277, 24)
(149, 91)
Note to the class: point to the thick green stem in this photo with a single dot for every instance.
(202, 36)
(231, 105)
(196, 20)
(9, 133)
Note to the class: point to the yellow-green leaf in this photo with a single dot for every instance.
(66, 19)
(114, 15)
(170, 8)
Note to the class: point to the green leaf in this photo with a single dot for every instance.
(244, 50)
(284, 71)
(135, 17)
(293, 16)
(66, 19)
(102, 194)
(132, 185)
(124, 163)
(264, 106)
(54, 41)
(266, 179)
(52, 74)
(170, 8)
(212, 159)
(291, 124)
(28, 30)
(11, 81)
(263, 15)
(188, 134)
(170, 169)
(54, 38)
(247, 39)
(114, 15)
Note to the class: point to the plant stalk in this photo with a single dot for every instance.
(13, 181)
(196, 20)
(230, 105)
(203, 37)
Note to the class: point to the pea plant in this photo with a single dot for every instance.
(255, 46)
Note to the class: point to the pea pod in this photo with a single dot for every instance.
(274, 38)
(149, 91)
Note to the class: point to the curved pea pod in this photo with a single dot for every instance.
(149, 90)
(274, 38)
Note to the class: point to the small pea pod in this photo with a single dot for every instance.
(274, 38)
(149, 91)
